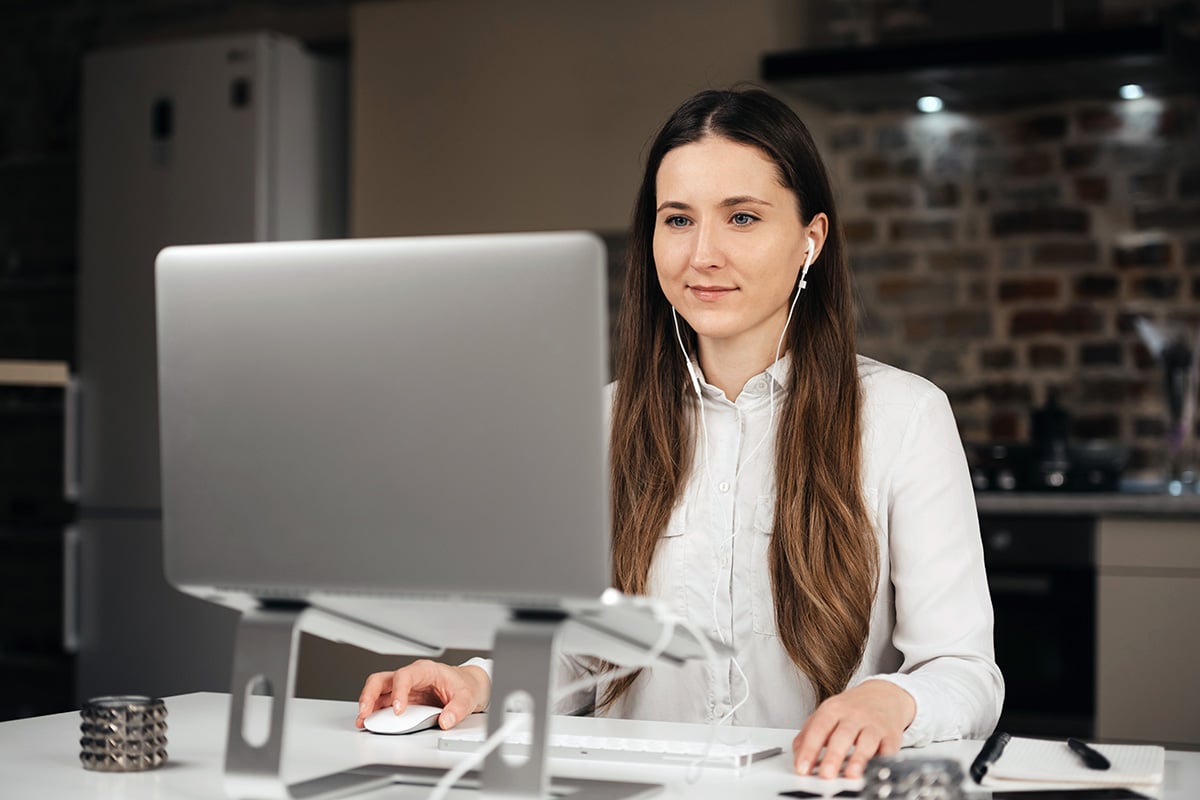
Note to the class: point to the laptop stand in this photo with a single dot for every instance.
(266, 648)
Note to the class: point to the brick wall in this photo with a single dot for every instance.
(1004, 255)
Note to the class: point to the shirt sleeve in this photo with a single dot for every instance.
(943, 608)
(574, 669)
(569, 669)
(484, 664)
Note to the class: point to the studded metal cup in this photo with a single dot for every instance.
(899, 778)
(125, 733)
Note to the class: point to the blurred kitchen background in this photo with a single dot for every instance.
(1032, 246)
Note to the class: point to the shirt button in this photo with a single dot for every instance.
(724, 486)
(760, 386)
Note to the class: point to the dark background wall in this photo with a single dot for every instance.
(41, 46)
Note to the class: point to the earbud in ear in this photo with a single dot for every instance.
(808, 259)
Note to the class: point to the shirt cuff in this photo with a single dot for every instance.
(921, 731)
(484, 664)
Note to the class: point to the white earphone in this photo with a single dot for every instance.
(808, 259)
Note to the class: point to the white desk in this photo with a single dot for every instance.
(39, 758)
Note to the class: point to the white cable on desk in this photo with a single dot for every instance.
(670, 622)
(452, 775)
(513, 725)
(696, 768)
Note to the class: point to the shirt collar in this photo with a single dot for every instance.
(777, 372)
(780, 370)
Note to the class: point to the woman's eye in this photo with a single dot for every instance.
(742, 218)
(675, 222)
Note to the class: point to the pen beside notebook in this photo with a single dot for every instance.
(1006, 759)
(992, 749)
(1092, 758)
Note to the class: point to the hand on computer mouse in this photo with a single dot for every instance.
(416, 717)
(459, 690)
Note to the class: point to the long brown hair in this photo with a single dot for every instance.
(823, 553)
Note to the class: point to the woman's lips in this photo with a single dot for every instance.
(709, 294)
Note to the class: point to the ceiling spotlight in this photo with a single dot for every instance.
(929, 104)
(1131, 91)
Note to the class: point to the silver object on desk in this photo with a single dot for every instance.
(897, 778)
(123, 733)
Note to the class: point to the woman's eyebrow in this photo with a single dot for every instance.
(738, 200)
(743, 199)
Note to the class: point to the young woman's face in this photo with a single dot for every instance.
(728, 241)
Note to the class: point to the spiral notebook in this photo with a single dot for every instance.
(1051, 761)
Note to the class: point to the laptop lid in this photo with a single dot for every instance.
(411, 417)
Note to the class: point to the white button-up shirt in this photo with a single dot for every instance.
(931, 624)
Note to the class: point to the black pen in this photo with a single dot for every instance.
(988, 754)
(1090, 755)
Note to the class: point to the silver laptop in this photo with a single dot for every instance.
(415, 418)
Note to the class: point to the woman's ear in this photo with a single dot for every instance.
(818, 231)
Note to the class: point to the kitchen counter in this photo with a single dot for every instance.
(1140, 504)
(1084, 587)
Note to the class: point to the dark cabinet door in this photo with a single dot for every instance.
(1043, 583)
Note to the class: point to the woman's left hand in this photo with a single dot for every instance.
(870, 718)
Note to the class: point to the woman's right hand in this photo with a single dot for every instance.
(459, 690)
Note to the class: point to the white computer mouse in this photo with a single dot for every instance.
(412, 719)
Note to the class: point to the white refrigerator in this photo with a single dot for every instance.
(234, 138)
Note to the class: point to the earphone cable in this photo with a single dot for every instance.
(727, 542)
(515, 723)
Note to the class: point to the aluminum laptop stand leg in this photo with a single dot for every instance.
(525, 653)
(265, 649)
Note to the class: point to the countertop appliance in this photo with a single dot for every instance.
(1049, 461)
(222, 139)
(1022, 467)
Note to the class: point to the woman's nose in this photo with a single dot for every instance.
(707, 250)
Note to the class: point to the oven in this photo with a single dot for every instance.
(1042, 576)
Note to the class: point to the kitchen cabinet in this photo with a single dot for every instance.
(1041, 575)
(1148, 634)
(36, 674)
(1134, 592)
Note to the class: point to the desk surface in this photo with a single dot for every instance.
(39, 758)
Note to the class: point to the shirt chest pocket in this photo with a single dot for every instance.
(762, 598)
(667, 569)
(762, 602)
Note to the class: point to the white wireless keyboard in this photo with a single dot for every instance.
(611, 748)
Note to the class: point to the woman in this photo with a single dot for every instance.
(810, 507)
